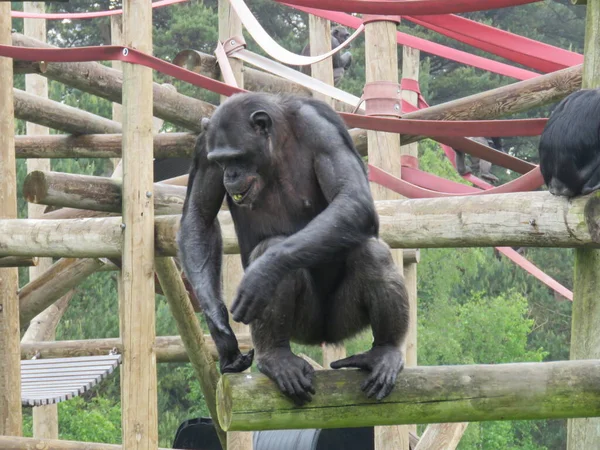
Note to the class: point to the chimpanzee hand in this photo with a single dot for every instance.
(237, 362)
(254, 292)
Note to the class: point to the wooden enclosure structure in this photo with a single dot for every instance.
(131, 219)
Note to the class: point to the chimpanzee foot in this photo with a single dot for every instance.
(292, 374)
(384, 363)
(237, 362)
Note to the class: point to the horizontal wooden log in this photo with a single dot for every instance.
(107, 83)
(61, 117)
(94, 193)
(473, 393)
(527, 219)
(254, 80)
(18, 261)
(21, 67)
(169, 349)
(166, 145)
(499, 102)
(23, 443)
(55, 282)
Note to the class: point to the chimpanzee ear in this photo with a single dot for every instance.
(261, 121)
(205, 122)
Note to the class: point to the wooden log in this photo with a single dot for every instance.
(21, 443)
(254, 80)
(10, 368)
(107, 83)
(381, 65)
(579, 2)
(530, 219)
(18, 261)
(442, 436)
(24, 67)
(473, 393)
(52, 284)
(136, 299)
(60, 117)
(166, 145)
(169, 349)
(43, 325)
(411, 59)
(94, 193)
(191, 336)
(585, 317)
(499, 102)
(232, 270)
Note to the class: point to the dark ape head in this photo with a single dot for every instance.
(340, 33)
(239, 139)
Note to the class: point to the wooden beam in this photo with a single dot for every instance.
(10, 368)
(191, 335)
(107, 83)
(530, 219)
(521, 391)
(94, 193)
(166, 145)
(254, 80)
(585, 317)
(499, 102)
(50, 285)
(59, 116)
(18, 261)
(442, 436)
(168, 349)
(137, 307)
(232, 270)
(381, 64)
(20, 443)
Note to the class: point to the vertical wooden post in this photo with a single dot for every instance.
(320, 42)
(410, 71)
(381, 64)
(10, 355)
(585, 339)
(233, 272)
(116, 38)
(43, 326)
(138, 373)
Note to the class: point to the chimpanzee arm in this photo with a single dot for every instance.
(349, 219)
(200, 249)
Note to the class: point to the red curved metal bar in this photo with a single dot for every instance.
(522, 50)
(428, 47)
(525, 127)
(528, 182)
(432, 182)
(407, 7)
(87, 15)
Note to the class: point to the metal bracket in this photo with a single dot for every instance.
(382, 98)
(233, 44)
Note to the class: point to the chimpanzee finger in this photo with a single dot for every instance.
(386, 388)
(376, 386)
(360, 361)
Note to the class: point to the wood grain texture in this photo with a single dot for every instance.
(138, 373)
(520, 391)
(10, 372)
(585, 319)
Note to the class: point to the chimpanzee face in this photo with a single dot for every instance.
(240, 145)
(340, 33)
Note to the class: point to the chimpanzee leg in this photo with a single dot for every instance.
(373, 291)
(293, 310)
(461, 165)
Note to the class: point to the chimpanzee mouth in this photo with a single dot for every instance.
(240, 197)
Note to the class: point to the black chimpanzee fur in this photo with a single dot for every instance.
(315, 269)
(570, 145)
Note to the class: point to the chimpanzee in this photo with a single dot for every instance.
(480, 166)
(307, 228)
(569, 148)
(341, 62)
